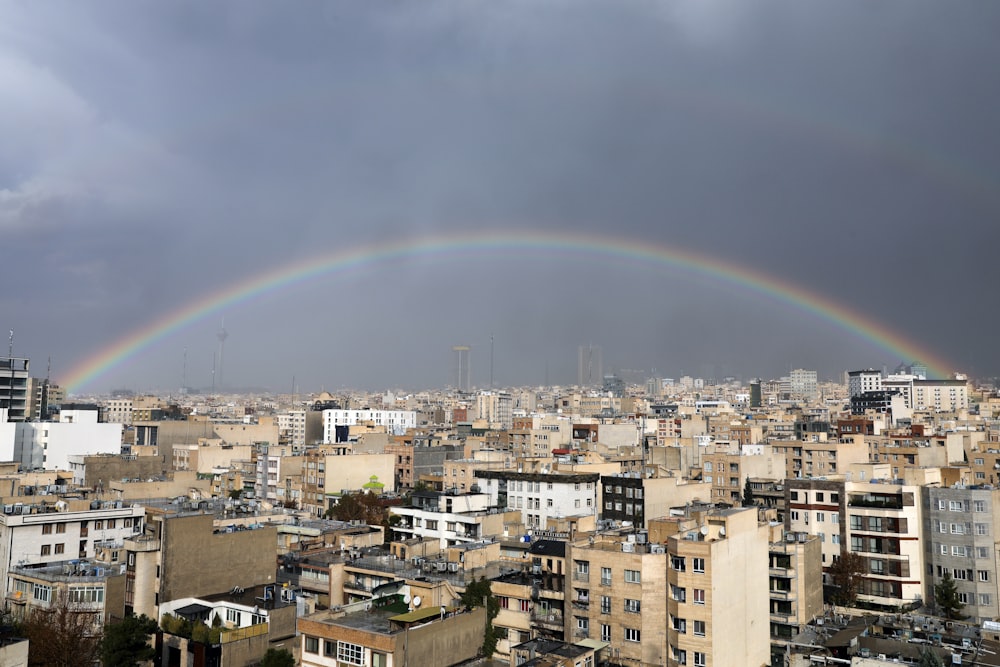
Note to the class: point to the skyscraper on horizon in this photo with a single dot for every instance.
(589, 366)
(463, 367)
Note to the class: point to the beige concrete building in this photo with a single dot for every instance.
(727, 468)
(381, 638)
(615, 594)
(717, 596)
(795, 575)
(821, 458)
(182, 554)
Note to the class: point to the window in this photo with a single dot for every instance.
(793, 495)
(605, 576)
(980, 505)
(699, 628)
(982, 529)
(582, 567)
(633, 577)
(47, 529)
(312, 645)
(677, 593)
(233, 616)
(61, 527)
(699, 596)
(582, 625)
(41, 593)
(982, 552)
(984, 599)
(680, 655)
(820, 517)
(795, 515)
(605, 633)
(605, 604)
(526, 606)
(86, 594)
(60, 548)
(699, 659)
(677, 563)
(957, 550)
(984, 575)
(632, 635)
(632, 606)
(352, 654)
(698, 565)
(46, 549)
(679, 624)
(944, 549)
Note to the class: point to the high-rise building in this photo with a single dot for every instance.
(14, 387)
(859, 382)
(463, 367)
(589, 366)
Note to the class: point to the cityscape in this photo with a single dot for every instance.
(532, 334)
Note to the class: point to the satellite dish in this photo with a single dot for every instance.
(406, 599)
(704, 530)
(722, 532)
(416, 601)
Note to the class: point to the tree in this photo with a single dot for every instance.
(126, 643)
(946, 598)
(845, 576)
(277, 657)
(929, 658)
(748, 500)
(479, 594)
(62, 635)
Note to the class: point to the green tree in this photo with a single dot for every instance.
(929, 658)
(277, 657)
(946, 598)
(479, 594)
(748, 500)
(126, 643)
(845, 575)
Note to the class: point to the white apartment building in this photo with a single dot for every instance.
(48, 445)
(395, 421)
(934, 395)
(495, 407)
(30, 535)
(858, 382)
(457, 519)
(541, 497)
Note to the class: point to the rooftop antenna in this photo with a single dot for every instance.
(491, 361)
(184, 371)
(213, 372)
(222, 336)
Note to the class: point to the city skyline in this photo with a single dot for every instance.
(155, 157)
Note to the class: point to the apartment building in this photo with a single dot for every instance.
(81, 586)
(33, 535)
(614, 594)
(382, 637)
(396, 422)
(636, 499)
(727, 469)
(795, 570)
(460, 474)
(817, 507)
(450, 518)
(884, 525)
(961, 526)
(542, 498)
(181, 553)
(821, 457)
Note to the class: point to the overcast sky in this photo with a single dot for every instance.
(152, 152)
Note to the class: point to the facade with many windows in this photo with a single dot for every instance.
(961, 540)
(717, 591)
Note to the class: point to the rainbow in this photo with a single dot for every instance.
(504, 242)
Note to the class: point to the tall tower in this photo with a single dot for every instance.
(589, 370)
(222, 335)
(463, 367)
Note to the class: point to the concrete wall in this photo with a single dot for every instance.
(451, 641)
(197, 562)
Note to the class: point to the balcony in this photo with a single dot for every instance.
(550, 618)
(582, 577)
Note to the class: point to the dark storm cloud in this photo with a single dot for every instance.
(156, 151)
